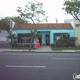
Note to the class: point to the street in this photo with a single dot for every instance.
(38, 66)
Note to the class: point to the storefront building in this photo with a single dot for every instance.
(49, 32)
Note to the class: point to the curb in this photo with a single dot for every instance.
(39, 51)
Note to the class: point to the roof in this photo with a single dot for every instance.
(43, 26)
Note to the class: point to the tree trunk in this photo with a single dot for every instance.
(31, 42)
(35, 30)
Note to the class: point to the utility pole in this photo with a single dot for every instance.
(56, 20)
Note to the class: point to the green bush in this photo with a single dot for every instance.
(70, 42)
(21, 45)
(52, 45)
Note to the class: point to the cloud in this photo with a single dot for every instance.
(52, 8)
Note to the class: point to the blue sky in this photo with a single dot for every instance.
(52, 8)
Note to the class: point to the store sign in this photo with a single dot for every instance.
(58, 31)
(26, 38)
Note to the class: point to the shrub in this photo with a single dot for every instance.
(21, 45)
(70, 42)
(52, 45)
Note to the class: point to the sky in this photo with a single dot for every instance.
(53, 9)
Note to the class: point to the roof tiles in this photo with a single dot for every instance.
(43, 26)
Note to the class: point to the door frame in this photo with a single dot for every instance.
(40, 39)
(47, 39)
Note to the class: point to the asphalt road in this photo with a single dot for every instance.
(38, 66)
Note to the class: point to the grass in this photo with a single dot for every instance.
(53, 48)
(65, 48)
(22, 48)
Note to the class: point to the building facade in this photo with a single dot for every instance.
(77, 32)
(48, 32)
(76, 26)
(4, 35)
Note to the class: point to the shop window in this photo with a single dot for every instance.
(77, 25)
(24, 38)
(58, 36)
(66, 35)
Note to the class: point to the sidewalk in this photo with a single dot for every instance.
(44, 49)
